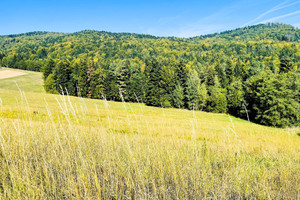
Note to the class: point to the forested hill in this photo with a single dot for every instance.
(274, 32)
(251, 72)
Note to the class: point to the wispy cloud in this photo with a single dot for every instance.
(208, 24)
(296, 25)
(280, 17)
(225, 18)
(280, 6)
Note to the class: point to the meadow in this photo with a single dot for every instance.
(62, 147)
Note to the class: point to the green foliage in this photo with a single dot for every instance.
(122, 73)
(152, 92)
(49, 84)
(97, 83)
(178, 96)
(235, 98)
(217, 102)
(202, 73)
(274, 99)
(48, 68)
(193, 91)
(62, 76)
(273, 31)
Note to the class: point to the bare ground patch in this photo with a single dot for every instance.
(9, 74)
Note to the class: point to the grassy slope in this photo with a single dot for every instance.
(66, 147)
(31, 82)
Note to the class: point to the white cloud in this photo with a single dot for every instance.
(208, 24)
(296, 25)
(275, 8)
(273, 19)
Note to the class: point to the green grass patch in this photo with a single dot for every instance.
(58, 147)
(30, 82)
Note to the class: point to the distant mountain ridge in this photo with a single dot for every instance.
(269, 31)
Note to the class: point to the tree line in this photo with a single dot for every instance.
(255, 78)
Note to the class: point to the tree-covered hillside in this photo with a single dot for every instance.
(271, 31)
(251, 72)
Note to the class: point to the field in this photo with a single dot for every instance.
(29, 81)
(61, 147)
(10, 73)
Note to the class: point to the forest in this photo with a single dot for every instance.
(251, 73)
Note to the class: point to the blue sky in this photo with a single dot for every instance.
(184, 18)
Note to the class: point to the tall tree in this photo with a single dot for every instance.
(122, 74)
(272, 100)
(48, 68)
(193, 91)
(152, 81)
(217, 101)
(61, 75)
(235, 99)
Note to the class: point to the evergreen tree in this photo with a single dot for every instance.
(203, 96)
(122, 74)
(217, 102)
(235, 98)
(49, 85)
(271, 99)
(167, 84)
(61, 75)
(192, 90)
(111, 88)
(97, 83)
(48, 68)
(90, 77)
(178, 96)
(136, 89)
(83, 86)
(152, 80)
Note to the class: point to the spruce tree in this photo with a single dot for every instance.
(122, 74)
(152, 81)
(192, 90)
(48, 68)
(178, 96)
(235, 99)
(83, 79)
(217, 102)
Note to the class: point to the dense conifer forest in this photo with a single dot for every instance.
(252, 72)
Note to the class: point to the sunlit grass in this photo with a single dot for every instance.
(30, 82)
(60, 147)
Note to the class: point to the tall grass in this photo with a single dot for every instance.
(61, 147)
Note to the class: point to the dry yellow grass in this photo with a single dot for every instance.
(9, 74)
(60, 147)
